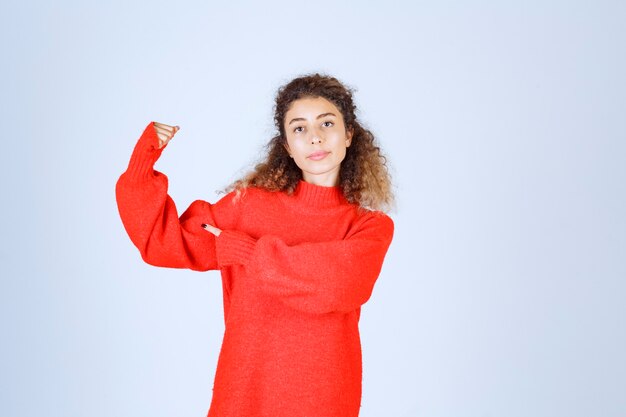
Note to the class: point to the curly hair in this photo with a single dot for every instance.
(363, 177)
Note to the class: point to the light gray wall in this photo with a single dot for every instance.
(503, 291)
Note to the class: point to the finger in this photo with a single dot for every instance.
(165, 134)
(163, 125)
(163, 140)
(165, 130)
(211, 229)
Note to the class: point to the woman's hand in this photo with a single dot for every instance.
(165, 133)
(212, 229)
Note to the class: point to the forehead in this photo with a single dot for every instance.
(311, 106)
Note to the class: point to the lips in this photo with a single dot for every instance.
(316, 156)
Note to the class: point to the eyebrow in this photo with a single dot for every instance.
(318, 117)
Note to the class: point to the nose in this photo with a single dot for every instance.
(316, 138)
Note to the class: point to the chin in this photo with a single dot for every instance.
(320, 171)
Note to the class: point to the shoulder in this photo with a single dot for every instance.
(240, 200)
(377, 216)
(230, 201)
(253, 197)
(373, 221)
(224, 213)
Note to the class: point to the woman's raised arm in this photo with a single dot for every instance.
(150, 217)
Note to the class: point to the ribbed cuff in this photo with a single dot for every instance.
(233, 247)
(145, 154)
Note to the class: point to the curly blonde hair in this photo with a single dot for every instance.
(363, 176)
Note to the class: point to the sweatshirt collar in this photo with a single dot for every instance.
(318, 195)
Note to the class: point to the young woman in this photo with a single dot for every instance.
(299, 242)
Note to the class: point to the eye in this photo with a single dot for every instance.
(296, 129)
(328, 123)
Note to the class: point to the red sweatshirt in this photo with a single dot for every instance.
(295, 271)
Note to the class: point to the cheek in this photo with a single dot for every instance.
(290, 144)
(300, 145)
(297, 151)
(342, 154)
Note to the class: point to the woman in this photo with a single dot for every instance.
(299, 242)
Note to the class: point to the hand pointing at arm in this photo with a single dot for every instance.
(212, 229)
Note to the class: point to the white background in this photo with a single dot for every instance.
(503, 293)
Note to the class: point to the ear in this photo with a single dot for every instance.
(349, 133)
(286, 145)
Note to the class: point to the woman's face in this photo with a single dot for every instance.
(317, 139)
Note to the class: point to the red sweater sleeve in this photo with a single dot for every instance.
(151, 220)
(316, 277)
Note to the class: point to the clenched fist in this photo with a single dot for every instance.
(165, 133)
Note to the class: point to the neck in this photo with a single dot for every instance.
(327, 179)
